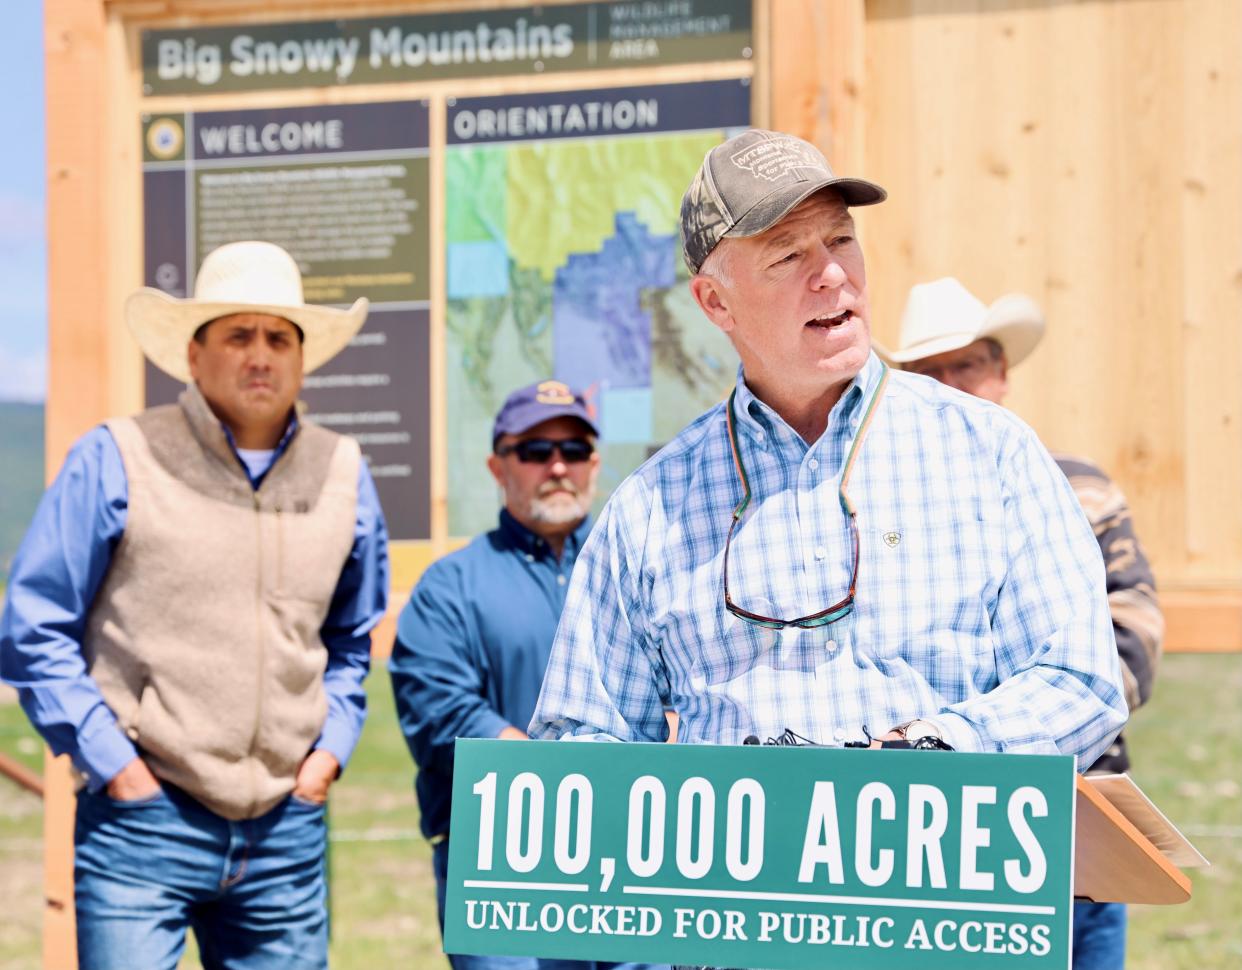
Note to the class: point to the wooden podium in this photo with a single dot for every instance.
(1114, 862)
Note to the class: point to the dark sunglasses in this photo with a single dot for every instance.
(841, 608)
(538, 451)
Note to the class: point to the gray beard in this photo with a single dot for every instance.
(548, 513)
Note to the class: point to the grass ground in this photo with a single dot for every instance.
(21, 836)
(1188, 758)
(1187, 746)
(21, 473)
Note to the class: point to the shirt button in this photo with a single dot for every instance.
(529, 557)
(132, 733)
(560, 580)
(830, 645)
(820, 552)
(813, 464)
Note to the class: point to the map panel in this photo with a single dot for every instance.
(564, 261)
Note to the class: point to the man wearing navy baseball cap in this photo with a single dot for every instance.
(473, 641)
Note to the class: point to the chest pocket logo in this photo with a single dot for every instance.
(891, 539)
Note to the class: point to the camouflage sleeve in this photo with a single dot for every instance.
(1137, 620)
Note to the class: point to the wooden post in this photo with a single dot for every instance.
(75, 33)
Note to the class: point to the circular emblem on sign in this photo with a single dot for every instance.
(165, 138)
(167, 277)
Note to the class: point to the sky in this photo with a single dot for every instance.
(23, 230)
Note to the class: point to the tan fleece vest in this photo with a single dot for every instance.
(204, 637)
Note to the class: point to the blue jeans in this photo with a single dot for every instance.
(253, 891)
(1099, 936)
(459, 961)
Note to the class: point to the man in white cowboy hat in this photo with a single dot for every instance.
(840, 549)
(947, 333)
(187, 618)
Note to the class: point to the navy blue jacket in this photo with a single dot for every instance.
(472, 645)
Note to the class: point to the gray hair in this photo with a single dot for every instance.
(719, 264)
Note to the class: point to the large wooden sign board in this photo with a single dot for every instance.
(501, 238)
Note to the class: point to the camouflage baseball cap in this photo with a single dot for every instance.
(750, 182)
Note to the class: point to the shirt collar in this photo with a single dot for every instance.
(290, 430)
(527, 541)
(760, 420)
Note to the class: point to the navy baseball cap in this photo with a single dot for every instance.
(537, 403)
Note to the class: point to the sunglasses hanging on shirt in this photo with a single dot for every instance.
(842, 608)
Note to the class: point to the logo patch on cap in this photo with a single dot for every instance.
(554, 392)
(776, 159)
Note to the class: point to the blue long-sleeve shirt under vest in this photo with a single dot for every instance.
(471, 648)
(61, 565)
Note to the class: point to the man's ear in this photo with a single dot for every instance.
(494, 466)
(191, 353)
(710, 297)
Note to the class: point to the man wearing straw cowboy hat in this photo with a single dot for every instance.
(839, 549)
(947, 333)
(187, 618)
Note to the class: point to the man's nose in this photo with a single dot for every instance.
(831, 275)
(260, 354)
(557, 467)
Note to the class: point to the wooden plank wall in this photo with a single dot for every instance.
(1089, 154)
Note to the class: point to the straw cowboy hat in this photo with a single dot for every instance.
(240, 277)
(944, 315)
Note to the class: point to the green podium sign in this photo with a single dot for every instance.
(770, 857)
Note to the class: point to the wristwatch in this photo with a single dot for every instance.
(919, 728)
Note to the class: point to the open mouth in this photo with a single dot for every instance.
(831, 320)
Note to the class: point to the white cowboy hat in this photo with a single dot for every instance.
(944, 315)
(240, 277)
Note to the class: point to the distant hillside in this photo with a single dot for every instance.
(21, 474)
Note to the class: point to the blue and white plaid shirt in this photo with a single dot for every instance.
(980, 597)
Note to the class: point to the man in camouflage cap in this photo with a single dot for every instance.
(751, 182)
(839, 546)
